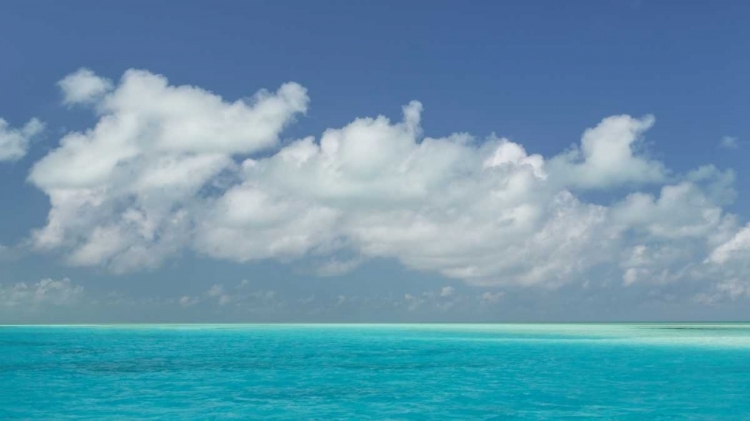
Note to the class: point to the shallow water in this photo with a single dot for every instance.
(532, 372)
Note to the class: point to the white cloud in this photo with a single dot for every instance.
(680, 211)
(124, 193)
(729, 142)
(609, 156)
(43, 293)
(173, 167)
(484, 213)
(14, 143)
(83, 86)
(737, 247)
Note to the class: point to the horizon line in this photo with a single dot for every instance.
(364, 323)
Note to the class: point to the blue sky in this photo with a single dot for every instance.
(518, 216)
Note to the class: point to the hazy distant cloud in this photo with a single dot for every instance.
(168, 168)
(442, 299)
(447, 291)
(730, 290)
(47, 292)
(63, 301)
(14, 143)
(336, 267)
(217, 292)
(729, 142)
(492, 297)
(187, 301)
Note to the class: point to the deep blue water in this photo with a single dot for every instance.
(532, 372)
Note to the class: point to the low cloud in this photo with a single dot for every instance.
(15, 142)
(172, 168)
(243, 296)
(125, 193)
(188, 301)
(83, 86)
(492, 297)
(610, 155)
(443, 299)
(47, 292)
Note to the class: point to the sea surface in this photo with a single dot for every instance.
(352, 372)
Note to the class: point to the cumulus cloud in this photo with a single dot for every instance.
(123, 193)
(737, 247)
(609, 156)
(168, 168)
(472, 210)
(14, 143)
(83, 86)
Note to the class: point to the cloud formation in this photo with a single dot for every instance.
(47, 292)
(168, 168)
(729, 142)
(65, 301)
(608, 156)
(83, 86)
(14, 143)
(124, 193)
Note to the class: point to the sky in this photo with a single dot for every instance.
(344, 161)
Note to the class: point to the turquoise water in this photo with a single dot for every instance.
(531, 372)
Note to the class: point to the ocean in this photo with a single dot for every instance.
(354, 372)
